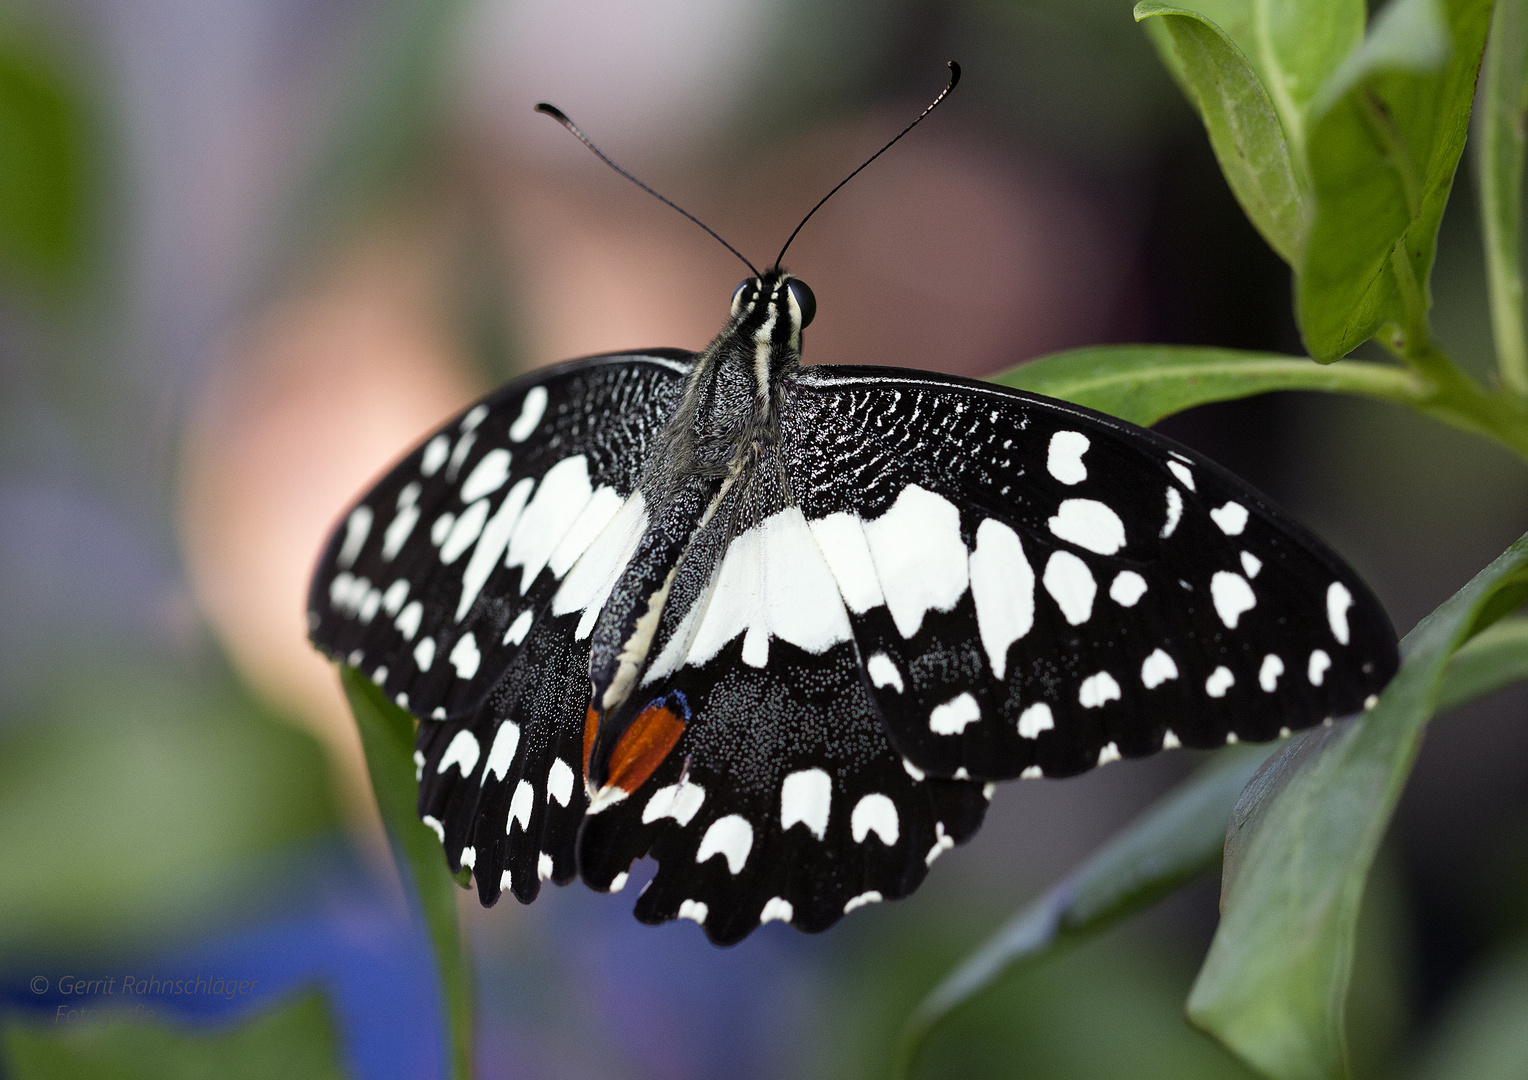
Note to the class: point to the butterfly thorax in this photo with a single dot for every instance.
(718, 446)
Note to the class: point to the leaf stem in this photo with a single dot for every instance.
(1500, 138)
(1450, 394)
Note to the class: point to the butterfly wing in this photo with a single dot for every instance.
(783, 799)
(433, 582)
(464, 582)
(1035, 588)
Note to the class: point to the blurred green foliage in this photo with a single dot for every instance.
(43, 194)
(137, 794)
(294, 1040)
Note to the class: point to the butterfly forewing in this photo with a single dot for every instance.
(437, 578)
(1037, 589)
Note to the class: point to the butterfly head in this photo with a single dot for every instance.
(773, 309)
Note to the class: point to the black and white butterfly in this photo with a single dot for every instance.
(781, 628)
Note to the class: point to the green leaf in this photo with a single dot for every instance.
(1490, 661)
(1301, 842)
(1171, 843)
(1384, 141)
(387, 736)
(1249, 142)
(1144, 383)
(1500, 115)
(294, 1039)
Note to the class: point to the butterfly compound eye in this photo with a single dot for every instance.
(737, 294)
(804, 300)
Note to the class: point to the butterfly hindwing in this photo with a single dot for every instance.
(1035, 588)
(503, 785)
(782, 798)
(435, 579)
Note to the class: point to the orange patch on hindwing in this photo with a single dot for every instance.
(591, 727)
(642, 747)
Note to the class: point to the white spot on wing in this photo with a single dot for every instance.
(597, 513)
(871, 897)
(1251, 564)
(1320, 664)
(680, 802)
(517, 630)
(1157, 669)
(442, 528)
(462, 752)
(459, 454)
(544, 866)
(772, 581)
(1219, 682)
(776, 908)
(942, 842)
(952, 717)
(1035, 719)
(402, 526)
(1064, 457)
(1109, 752)
(1003, 588)
(435, 455)
(357, 527)
(841, 539)
(559, 782)
(1031, 773)
(490, 546)
(1338, 601)
(877, 814)
(1233, 597)
(469, 858)
(465, 656)
(435, 826)
(1089, 524)
(1268, 674)
(396, 593)
(424, 652)
(807, 797)
(1171, 741)
(464, 532)
(1182, 472)
(1097, 691)
(531, 411)
(502, 754)
(588, 584)
(695, 910)
(559, 500)
(520, 807)
(1128, 587)
(912, 770)
(487, 476)
(919, 557)
(1174, 512)
(1070, 583)
(730, 837)
(475, 416)
(1232, 518)
(883, 672)
(408, 619)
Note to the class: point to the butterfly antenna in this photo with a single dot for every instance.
(954, 81)
(562, 118)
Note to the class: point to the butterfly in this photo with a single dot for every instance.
(783, 628)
